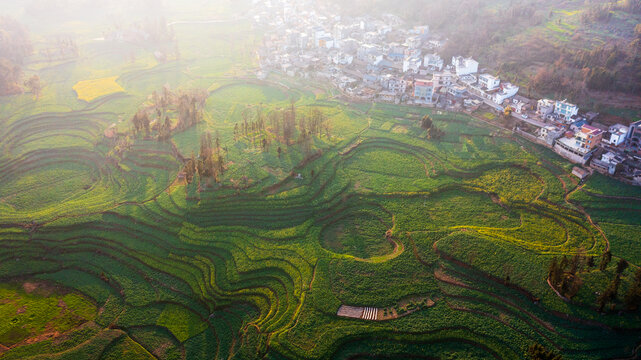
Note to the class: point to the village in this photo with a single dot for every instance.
(378, 59)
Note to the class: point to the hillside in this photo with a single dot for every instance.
(160, 201)
(588, 52)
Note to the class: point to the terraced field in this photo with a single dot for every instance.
(441, 246)
(262, 273)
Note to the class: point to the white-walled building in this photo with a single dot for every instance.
(489, 82)
(616, 135)
(565, 109)
(412, 64)
(341, 58)
(414, 42)
(433, 62)
(506, 91)
(393, 84)
(463, 66)
(544, 107)
(443, 78)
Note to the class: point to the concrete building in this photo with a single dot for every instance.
(489, 82)
(414, 42)
(589, 137)
(544, 107)
(506, 91)
(456, 90)
(463, 66)
(412, 64)
(634, 136)
(565, 109)
(433, 62)
(443, 78)
(567, 147)
(423, 91)
(616, 135)
(550, 133)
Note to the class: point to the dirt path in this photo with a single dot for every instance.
(587, 216)
(399, 248)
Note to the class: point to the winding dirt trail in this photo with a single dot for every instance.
(587, 216)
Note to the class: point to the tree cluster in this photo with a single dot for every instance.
(609, 295)
(210, 162)
(61, 48)
(15, 46)
(563, 275)
(433, 132)
(538, 352)
(287, 126)
(597, 13)
(632, 299)
(155, 118)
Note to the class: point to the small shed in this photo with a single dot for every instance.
(580, 172)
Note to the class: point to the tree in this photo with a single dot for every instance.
(605, 260)
(426, 122)
(34, 86)
(538, 352)
(632, 299)
(577, 261)
(554, 273)
(621, 266)
(564, 263)
(609, 294)
(15, 46)
(279, 151)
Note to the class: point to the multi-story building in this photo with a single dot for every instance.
(616, 135)
(634, 137)
(506, 91)
(588, 137)
(489, 82)
(412, 64)
(463, 66)
(393, 84)
(544, 107)
(423, 91)
(565, 109)
(414, 42)
(443, 78)
(433, 62)
(456, 91)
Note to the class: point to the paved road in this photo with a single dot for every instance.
(515, 115)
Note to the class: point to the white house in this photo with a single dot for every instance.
(544, 107)
(444, 78)
(393, 84)
(565, 110)
(433, 62)
(412, 64)
(456, 90)
(341, 58)
(506, 91)
(489, 82)
(464, 66)
(617, 134)
(414, 42)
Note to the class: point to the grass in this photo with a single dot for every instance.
(151, 269)
(39, 311)
(89, 90)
